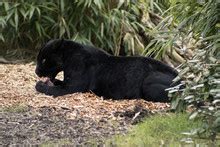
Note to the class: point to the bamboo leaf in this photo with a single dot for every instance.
(38, 11)
(16, 20)
(11, 22)
(2, 37)
(31, 12)
(38, 28)
(49, 19)
(98, 3)
(120, 3)
(194, 115)
(22, 11)
(6, 6)
(62, 5)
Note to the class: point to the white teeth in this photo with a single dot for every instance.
(45, 79)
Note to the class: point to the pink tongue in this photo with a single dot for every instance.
(47, 81)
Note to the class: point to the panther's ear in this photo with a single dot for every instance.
(55, 44)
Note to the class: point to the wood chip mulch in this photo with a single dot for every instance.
(17, 87)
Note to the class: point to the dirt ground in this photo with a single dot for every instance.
(29, 117)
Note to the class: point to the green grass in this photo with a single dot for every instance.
(156, 130)
(18, 108)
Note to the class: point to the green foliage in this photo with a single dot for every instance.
(106, 24)
(20, 108)
(202, 73)
(156, 130)
(124, 27)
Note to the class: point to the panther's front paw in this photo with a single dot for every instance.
(41, 87)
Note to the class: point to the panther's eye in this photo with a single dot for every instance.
(43, 61)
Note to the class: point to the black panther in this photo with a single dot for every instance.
(88, 68)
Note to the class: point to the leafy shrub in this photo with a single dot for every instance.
(106, 24)
(202, 72)
(128, 27)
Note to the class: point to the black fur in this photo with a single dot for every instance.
(88, 68)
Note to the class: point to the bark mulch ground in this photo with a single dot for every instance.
(29, 117)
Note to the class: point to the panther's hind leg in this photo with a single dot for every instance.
(154, 85)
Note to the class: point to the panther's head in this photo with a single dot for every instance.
(49, 59)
